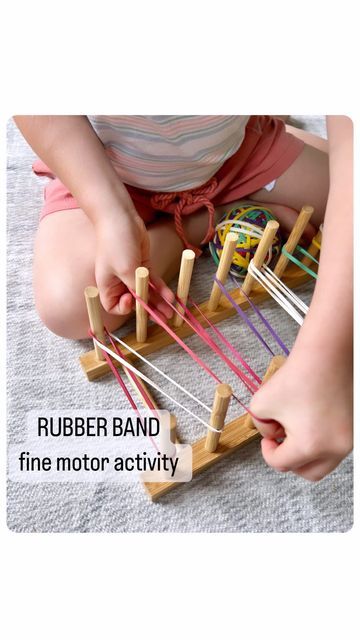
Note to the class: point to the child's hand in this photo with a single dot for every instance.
(310, 399)
(122, 246)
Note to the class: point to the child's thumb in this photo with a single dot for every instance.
(264, 406)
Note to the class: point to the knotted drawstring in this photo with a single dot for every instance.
(199, 195)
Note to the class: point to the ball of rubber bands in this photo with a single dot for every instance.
(249, 222)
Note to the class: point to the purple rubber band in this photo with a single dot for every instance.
(243, 315)
(221, 336)
(263, 319)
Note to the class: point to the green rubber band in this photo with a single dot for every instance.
(214, 255)
(306, 253)
(300, 264)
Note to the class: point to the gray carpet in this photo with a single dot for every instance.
(241, 494)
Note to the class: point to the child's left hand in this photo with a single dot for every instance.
(122, 245)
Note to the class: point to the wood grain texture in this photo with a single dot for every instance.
(236, 434)
(223, 393)
(293, 239)
(142, 290)
(223, 268)
(157, 338)
(93, 306)
(185, 273)
(261, 252)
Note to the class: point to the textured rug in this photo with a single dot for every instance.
(241, 494)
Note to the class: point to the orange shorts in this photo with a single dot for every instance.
(265, 154)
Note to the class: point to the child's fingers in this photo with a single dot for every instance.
(287, 457)
(123, 306)
(269, 429)
(157, 297)
(284, 456)
(317, 470)
(163, 289)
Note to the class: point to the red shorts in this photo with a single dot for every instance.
(264, 155)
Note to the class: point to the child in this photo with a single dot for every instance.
(121, 171)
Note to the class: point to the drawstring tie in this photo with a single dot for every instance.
(200, 195)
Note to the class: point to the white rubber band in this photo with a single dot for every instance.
(277, 295)
(247, 228)
(279, 291)
(127, 365)
(281, 285)
(188, 393)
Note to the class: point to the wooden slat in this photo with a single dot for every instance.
(235, 435)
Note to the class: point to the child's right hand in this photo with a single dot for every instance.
(122, 245)
(310, 401)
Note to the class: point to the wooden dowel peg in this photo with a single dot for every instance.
(93, 306)
(261, 253)
(223, 393)
(293, 239)
(275, 364)
(142, 290)
(223, 268)
(186, 269)
(313, 250)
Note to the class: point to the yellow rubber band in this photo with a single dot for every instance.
(316, 244)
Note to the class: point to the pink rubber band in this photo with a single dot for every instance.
(202, 333)
(221, 336)
(155, 316)
(122, 383)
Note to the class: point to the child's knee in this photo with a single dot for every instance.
(62, 310)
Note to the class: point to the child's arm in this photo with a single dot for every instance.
(70, 147)
(311, 396)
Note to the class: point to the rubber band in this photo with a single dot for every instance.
(141, 375)
(134, 378)
(243, 315)
(199, 329)
(123, 385)
(279, 291)
(281, 285)
(155, 316)
(316, 244)
(265, 322)
(298, 262)
(179, 386)
(221, 336)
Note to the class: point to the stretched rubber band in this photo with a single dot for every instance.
(223, 339)
(155, 316)
(279, 291)
(132, 375)
(243, 315)
(179, 386)
(281, 285)
(199, 329)
(316, 244)
(129, 366)
(123, 385)
(265, 322)
(299, 263)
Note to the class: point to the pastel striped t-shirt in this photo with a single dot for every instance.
(169, 153)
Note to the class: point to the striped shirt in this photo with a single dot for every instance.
(169, 153)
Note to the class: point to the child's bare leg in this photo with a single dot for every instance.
(310, 138)
(65, 244)
(305, 182)
(64, 265)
